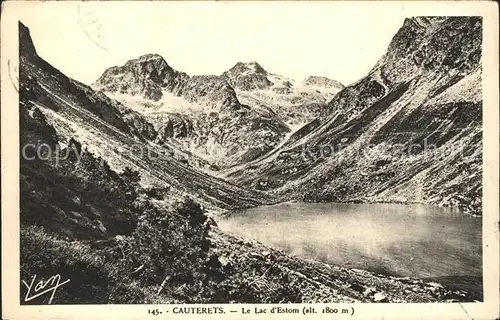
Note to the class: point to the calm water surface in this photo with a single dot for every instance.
(405, 240)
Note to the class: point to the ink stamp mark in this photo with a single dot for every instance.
(13, 75)
(91, 26)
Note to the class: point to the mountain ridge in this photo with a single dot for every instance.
(204, 114)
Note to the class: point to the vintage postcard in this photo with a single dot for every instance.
(250, 159)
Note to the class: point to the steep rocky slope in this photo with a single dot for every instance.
(223, 120)
(410, 131)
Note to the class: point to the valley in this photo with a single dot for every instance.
(157, 159)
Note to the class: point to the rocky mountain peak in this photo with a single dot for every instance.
(252, 67)
(436, 44)
(247, 76)
(153, 67)
(146, 75)
(25, 43)
(424, 21)
(148, 57)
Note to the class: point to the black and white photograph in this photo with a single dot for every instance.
(219, 153)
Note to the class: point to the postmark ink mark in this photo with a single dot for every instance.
(91, 26)
(13, 75)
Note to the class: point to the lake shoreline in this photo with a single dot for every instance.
(385, 238)
(226, 213)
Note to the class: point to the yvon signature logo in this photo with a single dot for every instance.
(40, 288)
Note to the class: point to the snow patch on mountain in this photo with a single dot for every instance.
(168, 103)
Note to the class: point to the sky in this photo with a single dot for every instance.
(342, 41)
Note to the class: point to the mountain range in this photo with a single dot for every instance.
(151, 153)
(225, 120)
